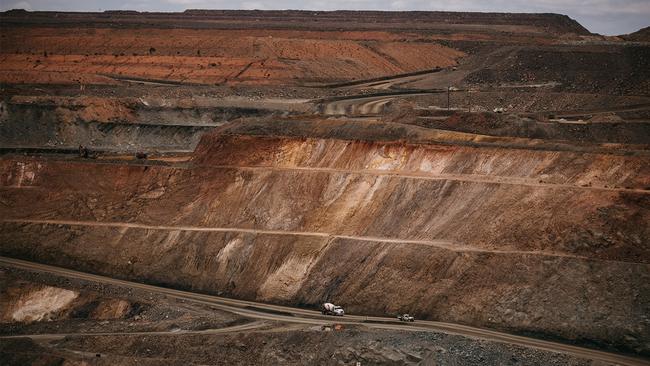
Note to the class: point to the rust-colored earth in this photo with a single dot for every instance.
(65, 55)
(485, 170)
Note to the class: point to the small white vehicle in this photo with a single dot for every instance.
(405, 318)
(331, 309)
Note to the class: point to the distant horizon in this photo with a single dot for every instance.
(606, 17)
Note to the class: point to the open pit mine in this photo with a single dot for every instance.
(322, 188)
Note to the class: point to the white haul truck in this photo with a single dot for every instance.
(331, 309)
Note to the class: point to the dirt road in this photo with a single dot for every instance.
(233, 329)
(475, 178)
(417, 175)
(294, 315)
(387, 82)
(365, 105)
(442, 244)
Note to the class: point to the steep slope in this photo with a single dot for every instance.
(498, 237)
(642, 35)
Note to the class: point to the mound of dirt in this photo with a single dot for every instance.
(599, 128)
(42, 303)
(26, 302)
(642, 35)
(572, 69)
(210, 57)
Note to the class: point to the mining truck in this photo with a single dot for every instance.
(331, 309)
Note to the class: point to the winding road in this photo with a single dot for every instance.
(261, 311)
(366, 105)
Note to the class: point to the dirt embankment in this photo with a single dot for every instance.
(38, 303)
(24, 302)
(116, 124)
(261, 48)
(469, 235)
(642, 35)
(541, 100)
(611, 69)
(595, 128)
(96, 56)
(288, 347)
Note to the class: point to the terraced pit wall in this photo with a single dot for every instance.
(540, 242)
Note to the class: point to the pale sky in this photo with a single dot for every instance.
(609, 17)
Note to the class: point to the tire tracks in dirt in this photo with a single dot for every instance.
(232, 329)
(303, 316)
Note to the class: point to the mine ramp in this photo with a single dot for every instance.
(276, 312)
(382, 78)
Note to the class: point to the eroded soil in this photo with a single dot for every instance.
(491, 170)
